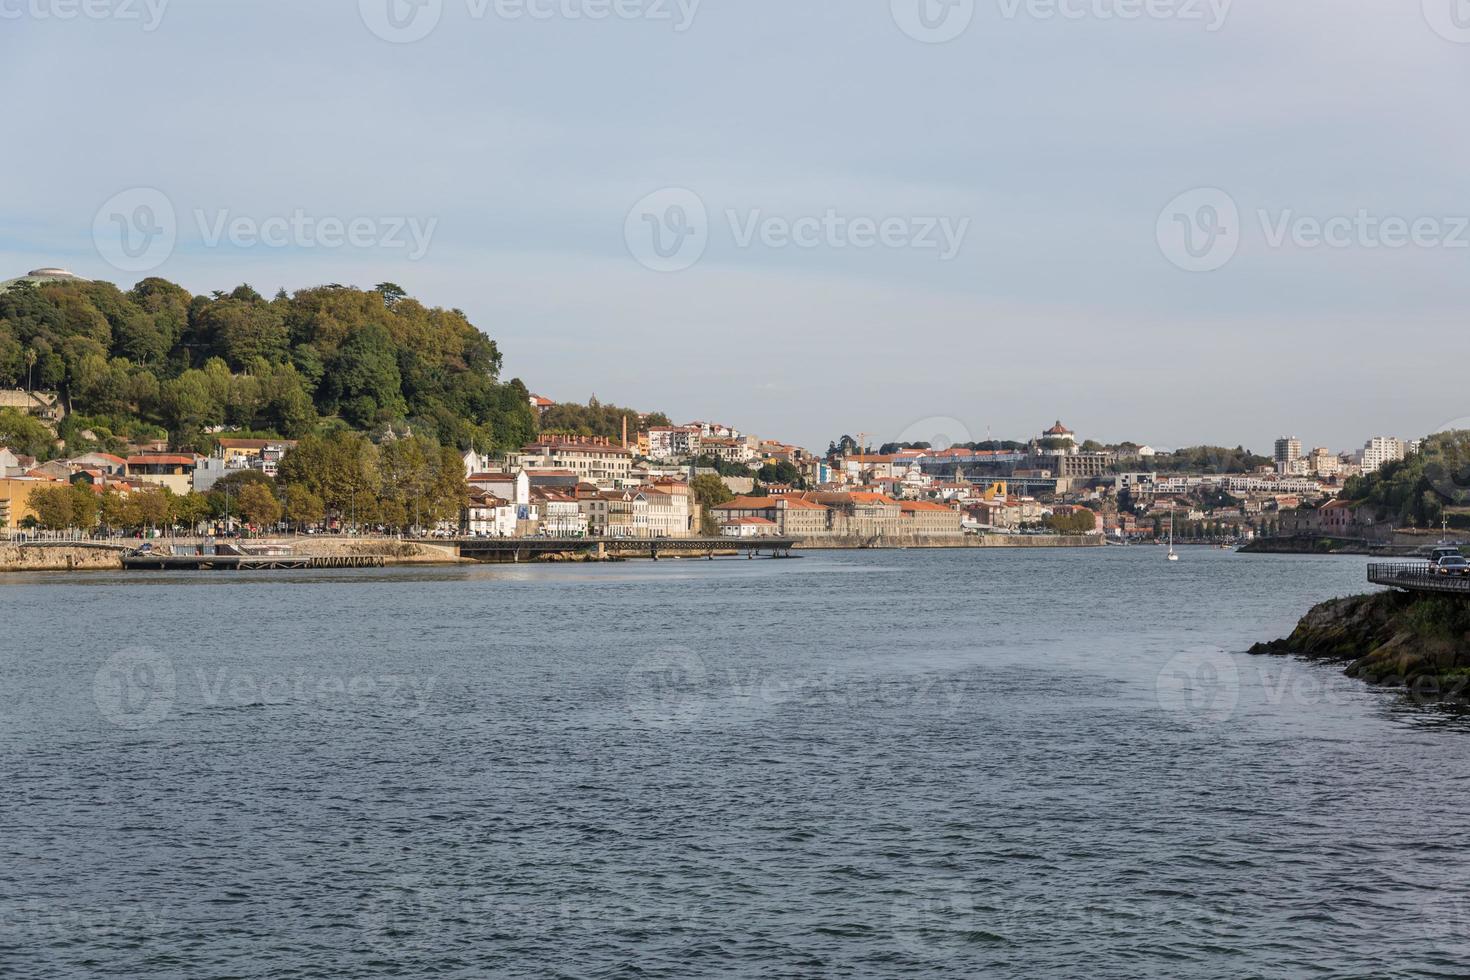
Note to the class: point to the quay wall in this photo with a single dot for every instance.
(59, 557)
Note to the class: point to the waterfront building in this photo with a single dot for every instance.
(561, 516)
(175, 471)
(592, 458)
(749, 527)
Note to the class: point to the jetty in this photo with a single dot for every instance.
(516, 550)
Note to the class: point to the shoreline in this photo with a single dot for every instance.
(68, 556)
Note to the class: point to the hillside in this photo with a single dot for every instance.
(1428, 486)
(158, 360)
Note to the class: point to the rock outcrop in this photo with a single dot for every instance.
(1390, 638)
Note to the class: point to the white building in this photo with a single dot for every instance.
(1380, 450)
(1288, 451)
(673, 441)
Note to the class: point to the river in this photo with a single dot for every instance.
(857, 764)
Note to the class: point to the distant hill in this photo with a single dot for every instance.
(1424, 488)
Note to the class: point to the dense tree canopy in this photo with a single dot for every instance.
(596, 419)
(157, 357)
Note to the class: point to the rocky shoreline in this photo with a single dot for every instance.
(1393, 639)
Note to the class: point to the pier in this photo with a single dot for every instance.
(1417, 577)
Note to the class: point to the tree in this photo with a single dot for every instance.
(24, 434)
(52, 507)
(303, 506)
(709, 491)
(259, 505)
(189, 510)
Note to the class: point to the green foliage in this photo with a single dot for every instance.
(782, 471)
(1208, 459)
(23, 434)
(408, 481)
(709, 491)
(1416, 490)
(596, 419)
(63, 506)
(1081, 521)
(157, 356)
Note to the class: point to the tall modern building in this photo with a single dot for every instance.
(1380, 450)
(1288, 451)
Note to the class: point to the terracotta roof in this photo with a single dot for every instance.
(924, 506)
(162, 459)
(750, 521)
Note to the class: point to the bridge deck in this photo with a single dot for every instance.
(1417, 577)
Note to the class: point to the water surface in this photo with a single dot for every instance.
(855, 764)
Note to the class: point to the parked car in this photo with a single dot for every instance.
(1452, 565)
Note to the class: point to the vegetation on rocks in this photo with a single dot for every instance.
(1389, 638)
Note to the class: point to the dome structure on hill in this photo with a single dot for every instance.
(43, 275)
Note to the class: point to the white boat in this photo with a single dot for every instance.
(1173, 555)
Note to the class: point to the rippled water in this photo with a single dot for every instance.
(852, 764)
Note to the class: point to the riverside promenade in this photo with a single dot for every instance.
(1417, 577)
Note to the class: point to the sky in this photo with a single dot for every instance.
(1175, 222)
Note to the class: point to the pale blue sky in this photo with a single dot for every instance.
(525, 143)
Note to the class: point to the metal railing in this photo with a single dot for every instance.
(1418, 576)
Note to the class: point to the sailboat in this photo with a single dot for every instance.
(1173, 555)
